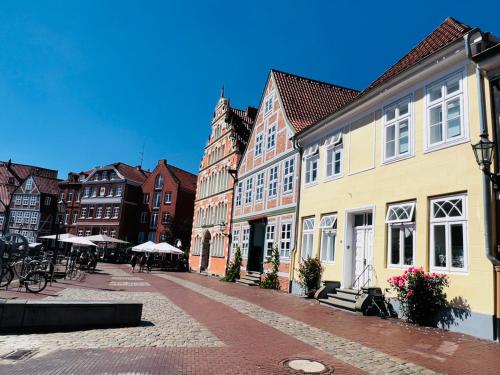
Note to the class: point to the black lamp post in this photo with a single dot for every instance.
(483, 151)
(61, 211)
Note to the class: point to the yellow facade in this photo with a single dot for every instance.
(367, 181)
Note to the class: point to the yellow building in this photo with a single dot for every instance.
(390, 181)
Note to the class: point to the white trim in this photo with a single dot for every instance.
(405, 206)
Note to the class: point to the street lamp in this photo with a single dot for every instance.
(483, 151)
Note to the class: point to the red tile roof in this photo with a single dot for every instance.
(186, 179)
(444, 35)
(306, 101)
(47, 185)
(132, 173)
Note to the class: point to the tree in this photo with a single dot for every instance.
(271, 279)
(233, 268)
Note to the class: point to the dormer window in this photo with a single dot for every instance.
(105, 175)
(29, 184)
(96, 177)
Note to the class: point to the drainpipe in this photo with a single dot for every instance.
(296, 146)
(484, 134)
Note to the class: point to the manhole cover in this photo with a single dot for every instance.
(306, 366)
(18, 355)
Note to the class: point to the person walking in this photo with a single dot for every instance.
(149, 262)
(142, 263)
(133, 262)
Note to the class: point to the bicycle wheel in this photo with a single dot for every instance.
(35, 281)
(6, 277)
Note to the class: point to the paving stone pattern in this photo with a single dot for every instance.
(165, 325)
(129, 283)
(365, 358)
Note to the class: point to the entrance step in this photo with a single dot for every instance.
(250, 279)
(343, 298)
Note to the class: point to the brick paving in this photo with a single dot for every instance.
(241, 330)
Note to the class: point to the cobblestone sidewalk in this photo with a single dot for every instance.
(353, 353)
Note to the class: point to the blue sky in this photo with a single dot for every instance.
(86, 83)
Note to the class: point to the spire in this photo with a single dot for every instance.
(222, 91)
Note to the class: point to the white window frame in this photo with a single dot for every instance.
(18, 200)
(271, 137)
(259, 144)
(259, 187)
(272, 190)
(396, 122)
(334, 145)
(248, 191)
(26, 200)
(328, 226)
(102, 191)
(288, 175)
(400, 216)
(168, 197)
(269, 104)
(239, 194)
(107, 212)
(310, 161)
(307, 247)
(448, 221)
(235, 240)
(270, 240)
(461, 96)
(83, 213)
(285, 243)
(98, 214)
(244, 242)
(116, 212)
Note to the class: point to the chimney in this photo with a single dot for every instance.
(162, 161)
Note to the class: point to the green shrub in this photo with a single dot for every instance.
(310, 271)
(233, 267)
(271, 279)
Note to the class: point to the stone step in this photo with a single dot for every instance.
(252, 277)
(343, 296)
(247, 282)
(338, 303)
(253, 273)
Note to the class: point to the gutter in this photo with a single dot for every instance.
(484, 134)
(296, 146)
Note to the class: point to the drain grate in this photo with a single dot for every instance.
(19, 355)
(306, 366)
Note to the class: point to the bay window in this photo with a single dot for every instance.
(328, 226)
(448, 233)
(401, 234)
(445, 112)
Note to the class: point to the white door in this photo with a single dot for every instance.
(363, 247)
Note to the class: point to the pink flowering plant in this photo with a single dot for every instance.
(421, 295)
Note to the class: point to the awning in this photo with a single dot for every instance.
(81, 241)
(144, 247)
(62, 236)
(104, 238)
(166, 248)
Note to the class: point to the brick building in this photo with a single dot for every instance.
(28, 200)
(210, 239)
(105, 200)
(71, 192)
(266, 194)
(167, 205)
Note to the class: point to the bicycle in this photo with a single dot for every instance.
(34, 281)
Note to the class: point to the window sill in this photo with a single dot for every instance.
(333, 178)
(463, 272)
(429, 149)
(310, 184)
(328, 262)
(396, 159)
(287, 193)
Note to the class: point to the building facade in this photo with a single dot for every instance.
(266, 193)
(210, 239)
(167, 205)
(390, 181)
(109, 202)
(28, 197)
(71, 193)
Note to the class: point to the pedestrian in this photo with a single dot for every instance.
(133, 262)
(149, 262)
(142, 263)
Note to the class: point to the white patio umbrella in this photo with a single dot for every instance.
(144, 247)
(62, 236)
(166, 248)
(104, 238)
(81, 241)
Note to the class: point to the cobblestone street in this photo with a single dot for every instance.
(198, 325)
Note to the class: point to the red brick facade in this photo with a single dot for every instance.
(210, 239)
(167, 205)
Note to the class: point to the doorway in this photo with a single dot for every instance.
(358, 263)
(255, 260)
(205, 252)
